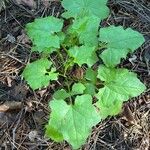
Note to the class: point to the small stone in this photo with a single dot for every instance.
(10, 38)
(33, 135)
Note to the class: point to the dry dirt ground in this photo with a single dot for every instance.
(22, 123)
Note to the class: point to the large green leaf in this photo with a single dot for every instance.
(37, 73)
(119, 43)
(86, 29)
(73, 122)
(85, 7)
(82, 55)
(43, 31)
(119, 86)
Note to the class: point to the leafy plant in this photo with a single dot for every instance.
(95, 94)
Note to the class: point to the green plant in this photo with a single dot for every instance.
(80, 45)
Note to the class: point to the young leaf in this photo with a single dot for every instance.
(93, 59)
(91, 75)
(119, 43)
(77, 88)
(86, 31)
(82, 54)
(120, 85)
(77, 8)
(61, 94)
(74, 122)
(90, 89)
(36, 73)
(43, 31)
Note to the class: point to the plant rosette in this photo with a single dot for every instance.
(74, 110)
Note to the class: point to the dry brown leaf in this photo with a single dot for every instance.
(9, 81)
(50, 0)
(29, 3)
(10, 106)
(23, 38)
(46, 3)
(127, 113)
(42, 92)
(77, 73)
(39, 117)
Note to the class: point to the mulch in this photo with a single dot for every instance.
(22, 127)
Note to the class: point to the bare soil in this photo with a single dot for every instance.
(26, 112)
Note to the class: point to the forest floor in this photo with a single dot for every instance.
(22, 123)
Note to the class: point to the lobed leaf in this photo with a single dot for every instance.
(119, 86)
(119, 43)
(43, 31)
(73, 122)
(89, 89)
(77, 88)
(61, 94)
(86, 31)
(82, 8)
(83, 55)
(91, 75)
(36, 73)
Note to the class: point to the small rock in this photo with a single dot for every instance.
(10, 38)
(33, 135)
